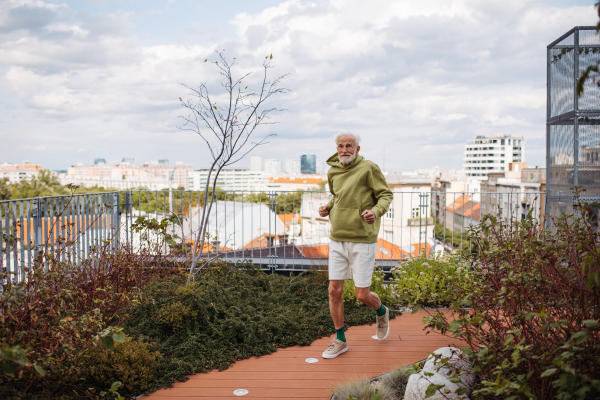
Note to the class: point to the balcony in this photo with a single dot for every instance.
(420, 221)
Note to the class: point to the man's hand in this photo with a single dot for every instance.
(324, 211)
(369, 216)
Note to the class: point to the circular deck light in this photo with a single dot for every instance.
(311, 360)
(240, 392)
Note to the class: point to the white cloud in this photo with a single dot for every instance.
(415, 78)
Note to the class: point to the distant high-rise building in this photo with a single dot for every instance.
(99, 161)
(128, 160)
(152, 175)
(229, 179)
(320, 166)
(492, 153)
(163, 162)
(308, 164)
(292, 166)
(255, 164)
(272, 166)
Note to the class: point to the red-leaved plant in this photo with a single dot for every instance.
(61, 309)
(532, 319)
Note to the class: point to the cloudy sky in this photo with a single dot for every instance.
(90, 79)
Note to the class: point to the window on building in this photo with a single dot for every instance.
(389, 236)
(389, 214)
(415, 212)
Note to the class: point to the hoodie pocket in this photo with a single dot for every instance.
(346, 223)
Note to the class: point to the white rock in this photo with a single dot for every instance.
(456, 363)
(417, 385)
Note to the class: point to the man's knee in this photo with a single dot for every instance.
(363, 294)
(336, 290)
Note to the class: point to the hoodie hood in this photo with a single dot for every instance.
(334, 161)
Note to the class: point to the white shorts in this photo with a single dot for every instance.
(348, 259)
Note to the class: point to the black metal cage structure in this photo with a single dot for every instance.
(572, 122)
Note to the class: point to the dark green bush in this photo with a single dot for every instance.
(234, 313)
(431, 282)
(130, 363)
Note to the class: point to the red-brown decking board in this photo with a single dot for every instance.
(285, 374)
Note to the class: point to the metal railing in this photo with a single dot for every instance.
(277, 230)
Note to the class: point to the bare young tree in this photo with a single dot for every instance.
(227, 130)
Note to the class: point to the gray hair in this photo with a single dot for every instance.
(355, 136)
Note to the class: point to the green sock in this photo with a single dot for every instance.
(381, 311)
(339, 333)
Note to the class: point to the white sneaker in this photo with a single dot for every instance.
(335, 349)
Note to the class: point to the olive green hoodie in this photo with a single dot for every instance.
(356, 188)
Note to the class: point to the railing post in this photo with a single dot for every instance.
(116, 220)
(37, 226)
(273, 207)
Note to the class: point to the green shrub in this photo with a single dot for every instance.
(173, 315)
(131, 363)
(430, 282)
(234, 312)
(532, 321)
(378, 287)
(61, 309)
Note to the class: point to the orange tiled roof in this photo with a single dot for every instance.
(68, 227)
(319, 251)
(458, 202)
(418, 247)
(314, 181)
(288, 219)
(472, 212)
(260, 241)
(208, 247)
(385, 250)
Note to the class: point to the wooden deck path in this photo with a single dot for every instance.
(285, 374)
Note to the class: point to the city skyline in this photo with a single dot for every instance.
(80, 81)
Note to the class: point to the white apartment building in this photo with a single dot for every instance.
(321, 166)
(292, 167)
(155, 175)
(255, 164)
(492, 153)
(17, 173)
(299, 183)
(272, 166)
(229, 179)
(408, 222)
(315, 229)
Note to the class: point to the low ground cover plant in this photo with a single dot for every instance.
(126, 323)
(230, 313)
(390, 386)
(430, 282)
(532, 320)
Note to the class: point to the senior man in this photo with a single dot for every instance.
(360, 197)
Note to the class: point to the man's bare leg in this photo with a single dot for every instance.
(336, 303)
(371, 299)
(365, 296)
(336, 307)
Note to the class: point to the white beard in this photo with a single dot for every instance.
(347, 160)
